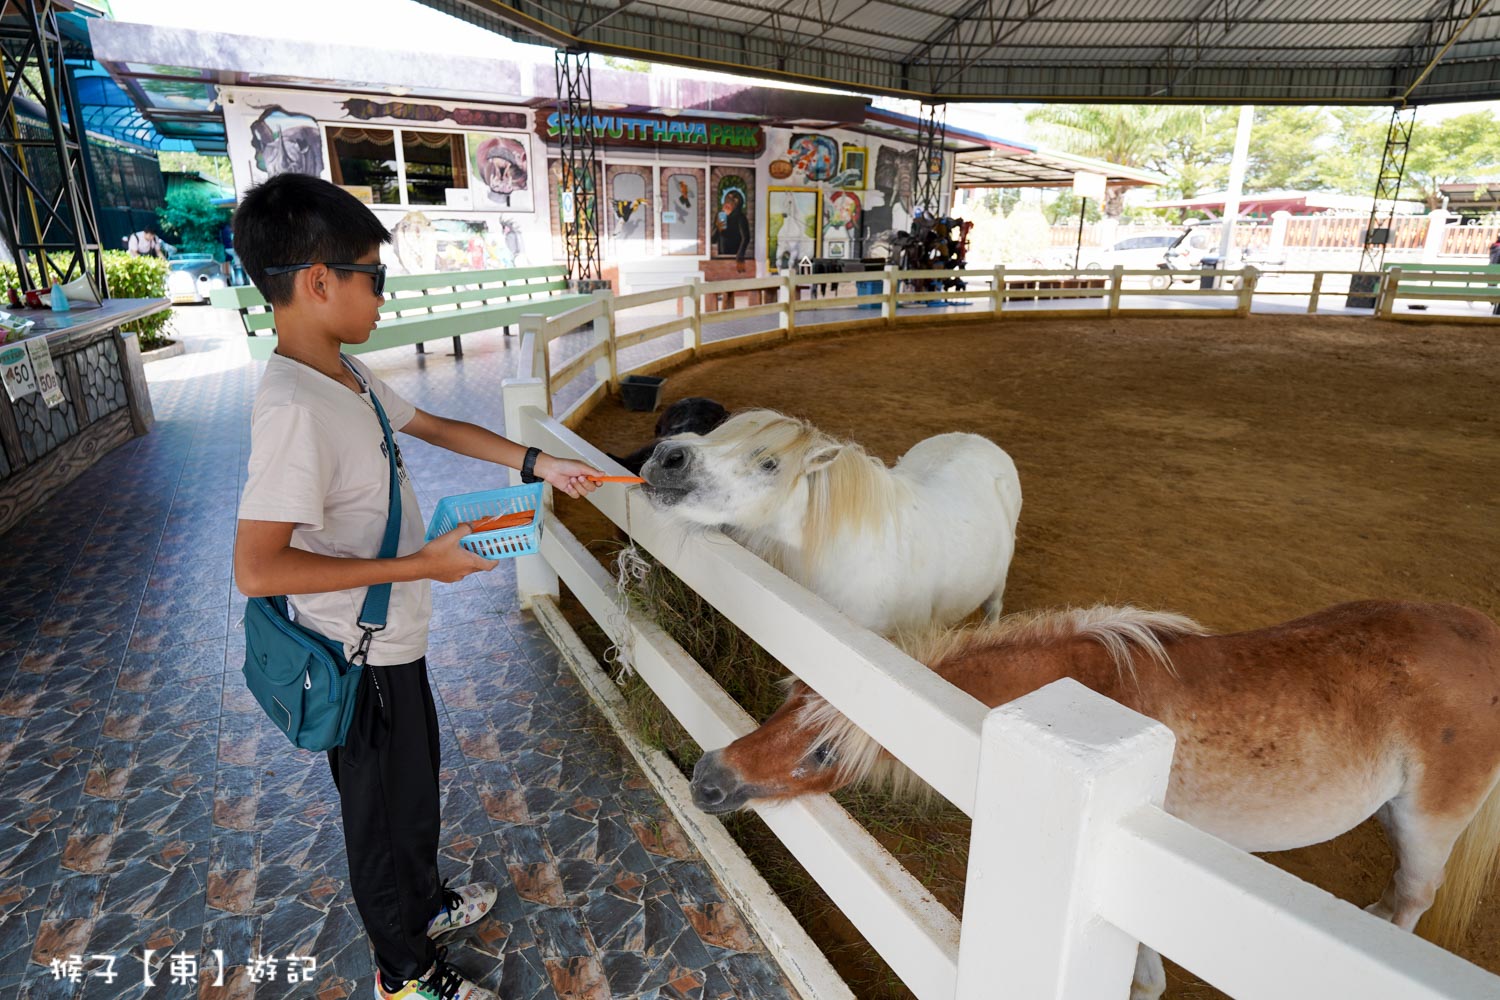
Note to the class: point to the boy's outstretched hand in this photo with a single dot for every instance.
(445, 561)
(567, 475)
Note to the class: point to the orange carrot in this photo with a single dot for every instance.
(501, 521)
(616, 479)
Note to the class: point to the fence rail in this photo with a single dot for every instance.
(1072, 860)
(589, 340)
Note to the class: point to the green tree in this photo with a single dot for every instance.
(1461, 148)
(195, 220)
(1284, 147)
(216, 167)
(1351, 160)
(1064, 209)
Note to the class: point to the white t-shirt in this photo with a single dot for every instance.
(317, 459)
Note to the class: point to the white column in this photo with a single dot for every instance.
(526, 399)
(888, 309)
(1437, 228)
(1278, 231)
(1236, 181)
(1057, 771)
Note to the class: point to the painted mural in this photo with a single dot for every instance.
(734, 211)
(682, 211)
(813, 157)
(791, 226)
(500, 171)
(630, 210)
(561, 209)
(889, 206)
(286, 143)
(423, 242)
(843, 218)
(499, 222)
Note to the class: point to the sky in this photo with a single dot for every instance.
(384, 23)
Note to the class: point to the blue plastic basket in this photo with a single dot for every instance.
(506, 543)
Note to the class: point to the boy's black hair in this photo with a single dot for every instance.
(300, 219)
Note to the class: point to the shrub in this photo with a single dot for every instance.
(128, 278)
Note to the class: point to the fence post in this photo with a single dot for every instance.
(1116, 280)
(523, 398)
(1317, 290)
(1058, 769)
(606, 369)
(694, 333)
(1387, 304)
(888, 310)
(997, 291)
(535, 324)
(1248, 278)
(787, 295)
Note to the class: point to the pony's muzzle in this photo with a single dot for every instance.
(715, 787)
(668, 465)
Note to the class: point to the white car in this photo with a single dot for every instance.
(1133, 253)
(191, 277)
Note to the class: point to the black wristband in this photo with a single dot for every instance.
(528, 466)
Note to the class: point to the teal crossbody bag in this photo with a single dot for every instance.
(302, 679)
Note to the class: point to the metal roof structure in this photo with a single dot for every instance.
(171, 75)
(1381, 52)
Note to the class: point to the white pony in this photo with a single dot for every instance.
(919, 545)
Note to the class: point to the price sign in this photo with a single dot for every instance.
(45, 373)
(15, 369)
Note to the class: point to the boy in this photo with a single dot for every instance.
(311, 520)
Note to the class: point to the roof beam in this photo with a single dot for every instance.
(1453, 10)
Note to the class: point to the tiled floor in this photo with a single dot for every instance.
(145, 803)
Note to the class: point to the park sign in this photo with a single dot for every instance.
(655, 131)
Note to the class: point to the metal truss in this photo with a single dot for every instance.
(1383, 208)
(579, 186)
(930, 134)
(45, 203)
(1204, 51)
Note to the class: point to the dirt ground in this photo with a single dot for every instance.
(1240, 471)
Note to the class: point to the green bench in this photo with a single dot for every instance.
(423, 307)
(1430, 281)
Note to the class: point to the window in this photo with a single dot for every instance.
(435, 162)
(365, 157)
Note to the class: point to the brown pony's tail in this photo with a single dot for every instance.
(1469, 871)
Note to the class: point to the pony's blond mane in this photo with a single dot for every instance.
(1122, 631)
(847, 487)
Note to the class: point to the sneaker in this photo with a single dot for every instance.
(441, 982)
(462, 907)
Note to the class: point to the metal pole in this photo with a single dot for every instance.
(1083, 203)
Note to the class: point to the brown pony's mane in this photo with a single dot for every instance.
(1122, 631)
(847, 487)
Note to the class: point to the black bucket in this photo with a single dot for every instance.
(641, 392)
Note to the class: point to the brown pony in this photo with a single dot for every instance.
(1286, 736)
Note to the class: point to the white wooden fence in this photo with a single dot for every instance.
(1072, 860)
(999, 293)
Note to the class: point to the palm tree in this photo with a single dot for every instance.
(1131, 135)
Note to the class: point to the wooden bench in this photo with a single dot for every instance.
(423, 307)
(1430, 281)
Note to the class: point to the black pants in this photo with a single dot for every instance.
(388, 789)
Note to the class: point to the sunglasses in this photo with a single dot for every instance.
(376, 271)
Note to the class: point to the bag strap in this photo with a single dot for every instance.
(378, 598)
